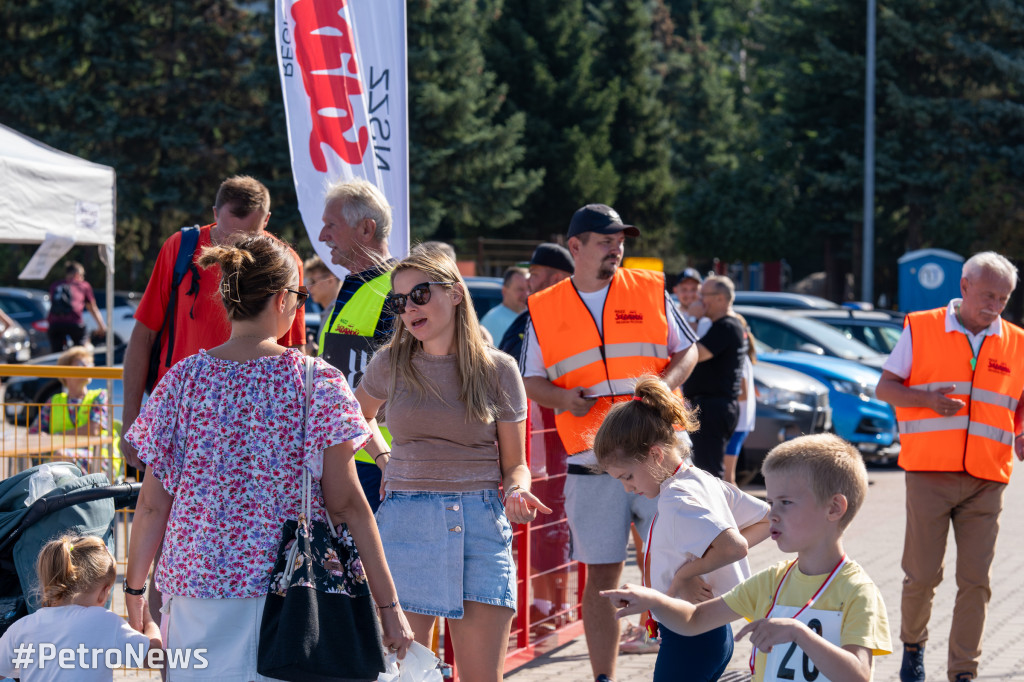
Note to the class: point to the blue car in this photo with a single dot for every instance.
(857, 415)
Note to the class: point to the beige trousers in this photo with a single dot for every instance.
(972, 505)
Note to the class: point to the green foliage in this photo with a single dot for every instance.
(730, 129)
(175, 96)
(546, 53)
(465, 166)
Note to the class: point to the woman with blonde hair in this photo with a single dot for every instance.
(456, 409)
(225, 444)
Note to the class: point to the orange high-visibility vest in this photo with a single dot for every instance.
(978, 439)
(635, 342)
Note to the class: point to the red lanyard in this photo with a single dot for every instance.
(645, 570)
(814, 597)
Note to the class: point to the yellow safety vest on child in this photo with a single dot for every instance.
(61, 422)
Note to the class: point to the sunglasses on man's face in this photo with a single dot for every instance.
(420, 295)
(301, 294)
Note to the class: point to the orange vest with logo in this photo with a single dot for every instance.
(635, 342)
(978, 439)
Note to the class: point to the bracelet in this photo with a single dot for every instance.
(133, 592)
(514, 489)
(388, 606)
(388, 453)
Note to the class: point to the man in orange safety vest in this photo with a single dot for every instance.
(589, 338)
(957, 389)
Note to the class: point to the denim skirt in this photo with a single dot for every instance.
(447, 548)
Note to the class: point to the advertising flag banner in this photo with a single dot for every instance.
(343, 74)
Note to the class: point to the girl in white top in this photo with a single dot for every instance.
(698, 543)
(75, 578)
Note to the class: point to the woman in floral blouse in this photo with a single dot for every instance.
(224, 443)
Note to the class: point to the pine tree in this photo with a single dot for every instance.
(175, 96)
(640, 129)
(466, 166)
(545, 53)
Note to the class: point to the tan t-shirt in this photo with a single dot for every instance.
(433, 447)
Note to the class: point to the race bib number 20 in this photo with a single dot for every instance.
(788, 662)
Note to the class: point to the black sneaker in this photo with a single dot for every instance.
(603, 678)
(964, 677)
(912, 669)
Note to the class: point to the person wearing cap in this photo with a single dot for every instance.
(588, 339)
(549, 265)
(687, 290)
(514, 290)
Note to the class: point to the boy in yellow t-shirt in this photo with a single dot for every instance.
(817, 617)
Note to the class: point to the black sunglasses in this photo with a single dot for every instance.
(420, 295)
(302, 293)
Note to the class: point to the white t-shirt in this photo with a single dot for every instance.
(680, 336)
(748, 407)
(69, 628)
(694, 508)
(902, 356)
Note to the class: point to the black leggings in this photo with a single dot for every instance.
(60, 331)
(702, 658)
(718, 418)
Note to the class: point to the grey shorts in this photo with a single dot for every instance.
(599, 511)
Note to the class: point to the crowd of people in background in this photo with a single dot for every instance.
(415, 439)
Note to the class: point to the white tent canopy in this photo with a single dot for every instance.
(45, 190)
(46, 194)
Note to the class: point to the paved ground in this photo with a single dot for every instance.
(875, 539)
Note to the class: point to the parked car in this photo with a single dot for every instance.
(857, 414)
(789, 404)
(783, 300)
(485, 292)
(122, 320)
(23, 395)
(14, 343)
(878, 330)
(29, 308)
(785, 330)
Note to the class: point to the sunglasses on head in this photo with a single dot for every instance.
(302, 293)
(420, 295)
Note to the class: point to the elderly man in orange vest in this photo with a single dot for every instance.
(589, 337)
(957, 389)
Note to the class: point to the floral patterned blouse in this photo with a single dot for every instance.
(225, 439)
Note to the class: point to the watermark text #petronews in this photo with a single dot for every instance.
(29, 655)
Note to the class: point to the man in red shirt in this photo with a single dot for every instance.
(200, 321)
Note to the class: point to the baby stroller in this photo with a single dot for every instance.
(79, 503)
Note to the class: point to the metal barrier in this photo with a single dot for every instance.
(549, 585)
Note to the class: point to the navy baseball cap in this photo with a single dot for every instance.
(689, 273)
(553, 256)
(601, 219)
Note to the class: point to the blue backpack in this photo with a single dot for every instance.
(182, 265)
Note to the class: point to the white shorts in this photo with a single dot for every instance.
(228, 629)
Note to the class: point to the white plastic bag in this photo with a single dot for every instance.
(419, 665)
(45, 479)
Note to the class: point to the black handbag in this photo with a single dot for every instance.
(319, 623)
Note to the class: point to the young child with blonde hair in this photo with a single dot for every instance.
(76, 575)
(697, 545)
(816, 617)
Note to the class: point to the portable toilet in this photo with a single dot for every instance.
(929, 278)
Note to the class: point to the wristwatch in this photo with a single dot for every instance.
(135, 593)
